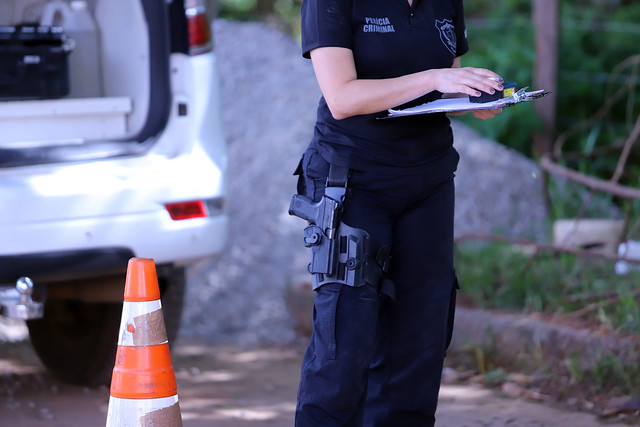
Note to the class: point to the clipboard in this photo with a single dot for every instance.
(450, 105)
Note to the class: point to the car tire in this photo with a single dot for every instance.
(77, 340)
(172, 282)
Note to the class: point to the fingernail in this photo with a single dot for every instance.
(500, 87)
(492, 91)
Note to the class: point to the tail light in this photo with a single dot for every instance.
(186, 210)
(200, 37)
(195, 208)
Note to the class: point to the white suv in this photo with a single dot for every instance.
(111, 147)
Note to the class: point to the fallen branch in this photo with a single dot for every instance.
(547, 247)
(590, 296)
(624, 155)
(593, 183)
(595, 305)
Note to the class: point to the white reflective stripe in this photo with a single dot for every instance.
(130, 412)
(131, 310)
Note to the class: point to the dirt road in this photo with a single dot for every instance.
(228, 387)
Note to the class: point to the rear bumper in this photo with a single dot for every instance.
(51, 266)
(91, 248)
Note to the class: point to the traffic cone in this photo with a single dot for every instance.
(143, 384)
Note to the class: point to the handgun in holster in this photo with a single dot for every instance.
(340, 253)
(324, 218)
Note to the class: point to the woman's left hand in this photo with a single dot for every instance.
(479, 114)
(486, 114)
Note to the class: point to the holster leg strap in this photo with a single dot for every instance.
(359, 261)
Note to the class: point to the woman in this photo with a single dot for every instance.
(376, 354)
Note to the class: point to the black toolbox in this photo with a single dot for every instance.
(33, 62)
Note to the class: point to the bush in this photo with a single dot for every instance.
(502, 276)
(594, 38)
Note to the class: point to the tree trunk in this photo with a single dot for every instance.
(265, 7)
(546, 24)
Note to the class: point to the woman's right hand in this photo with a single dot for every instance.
(347, 96)
(468, 80)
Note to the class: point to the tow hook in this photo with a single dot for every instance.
(16, 303)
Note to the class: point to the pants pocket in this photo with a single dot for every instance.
(324, 320)
(315, 170)
(298, 172)
(452, 311)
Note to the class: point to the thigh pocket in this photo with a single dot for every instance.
(452, 311)
(315, 170)
(324, 320)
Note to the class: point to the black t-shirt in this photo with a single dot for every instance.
(388, 38)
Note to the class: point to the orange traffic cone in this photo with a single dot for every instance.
(143, 385)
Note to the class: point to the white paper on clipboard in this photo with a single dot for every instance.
(450, 105)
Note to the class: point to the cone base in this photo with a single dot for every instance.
(161, 412)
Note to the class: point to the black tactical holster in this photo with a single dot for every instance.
(340, 253)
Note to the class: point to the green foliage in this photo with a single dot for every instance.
(499, 276)
(607, 374)
(595, 41)
(571, 200)
(240, 10)
(284, 13)
(495, 377)
(492, 277)
(572, 363)
(594, 38)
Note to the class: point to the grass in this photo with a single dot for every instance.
(503, 276)
(507, 277)
(608, 375)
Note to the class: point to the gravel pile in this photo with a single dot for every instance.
(269, 96)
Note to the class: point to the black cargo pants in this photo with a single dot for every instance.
(373, 361)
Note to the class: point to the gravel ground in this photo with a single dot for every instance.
(224, 386)
(269, 96)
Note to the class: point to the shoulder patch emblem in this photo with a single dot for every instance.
(447, 34)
